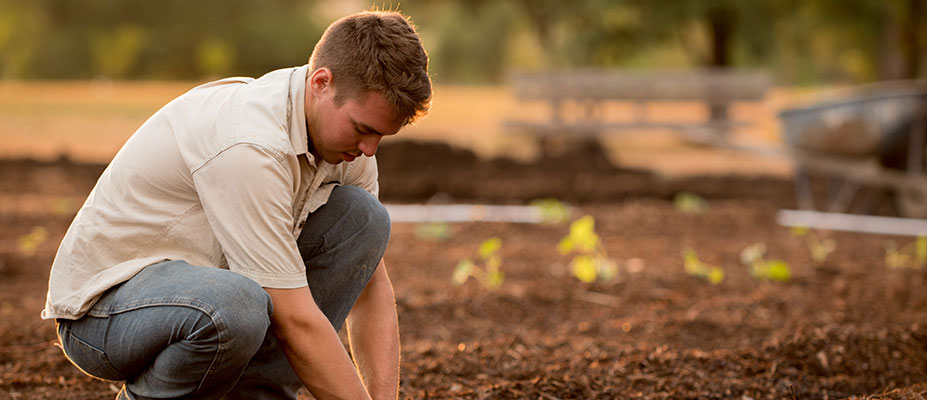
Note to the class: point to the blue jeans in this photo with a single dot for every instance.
(181, 331)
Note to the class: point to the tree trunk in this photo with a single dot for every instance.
(721, 24)
(891, 58)
(914, 42)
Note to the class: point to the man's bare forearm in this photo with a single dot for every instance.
(373, 330)
(312, 346)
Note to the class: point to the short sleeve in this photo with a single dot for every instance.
(246, 193)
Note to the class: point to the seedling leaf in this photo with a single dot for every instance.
(752, 253)
(606, 268)
(821, 249)
(715, 275)
(690, 262)
(582, 234)
(584, 268)
(695, 267)
(591, 262)
(486, 269)
(495, 279)
(489, 247)
(433, 231)
(690, 203)
(462, 271)
(778, 270)
(566, 245)
(911, 255)
(552, 211)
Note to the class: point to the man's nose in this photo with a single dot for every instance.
(368, 145)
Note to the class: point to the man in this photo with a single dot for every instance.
(238, 229)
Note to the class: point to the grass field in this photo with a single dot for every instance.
(90, 120)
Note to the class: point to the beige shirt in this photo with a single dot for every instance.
(221, 177)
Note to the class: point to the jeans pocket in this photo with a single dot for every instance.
(89, 359)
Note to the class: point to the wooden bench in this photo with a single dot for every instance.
(592, 90)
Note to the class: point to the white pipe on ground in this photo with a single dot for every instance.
(853, 223)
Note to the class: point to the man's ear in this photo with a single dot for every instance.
(320, 80)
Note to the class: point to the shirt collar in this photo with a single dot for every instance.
(299, 137)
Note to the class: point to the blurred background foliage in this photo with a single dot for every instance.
(470, 41)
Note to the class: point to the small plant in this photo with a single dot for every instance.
(912, 255)
(699, 269)
(819, 249)
(490, 274)
(433, 231)
(690, 203)
(30, 242)
(552, 211)
(591, 262)
(760, 268)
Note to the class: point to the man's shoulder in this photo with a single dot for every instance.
(218, 115)
(258, 111)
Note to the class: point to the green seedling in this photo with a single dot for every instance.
(774, 270)
(30, 242)
(697, 268)
(486, 270)
(819, 249)
(591, 262)
(690, 203)
(433, 231)
(912, 255)
(552, 211)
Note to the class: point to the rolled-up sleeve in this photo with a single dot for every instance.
(247, 194)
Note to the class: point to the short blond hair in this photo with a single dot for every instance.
(381, 51)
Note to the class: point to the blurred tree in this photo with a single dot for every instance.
(22, 27)
(166, 39)
(114, 53)
(712, 32)
(214, 57)
(584, 32)
(471, 41)
(857, 40)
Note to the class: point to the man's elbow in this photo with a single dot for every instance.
(295, 314)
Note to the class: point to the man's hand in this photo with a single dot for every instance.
(312, 346)
(373, 330)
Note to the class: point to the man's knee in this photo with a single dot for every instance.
(243, 311)
(367, 213)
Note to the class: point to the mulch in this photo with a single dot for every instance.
(851, 327)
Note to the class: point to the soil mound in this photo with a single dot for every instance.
(418, 171)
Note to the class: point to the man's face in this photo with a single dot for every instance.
(345, 132)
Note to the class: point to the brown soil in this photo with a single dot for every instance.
(852, 327)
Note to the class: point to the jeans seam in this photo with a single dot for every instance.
(102, 352)
(191, 303)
